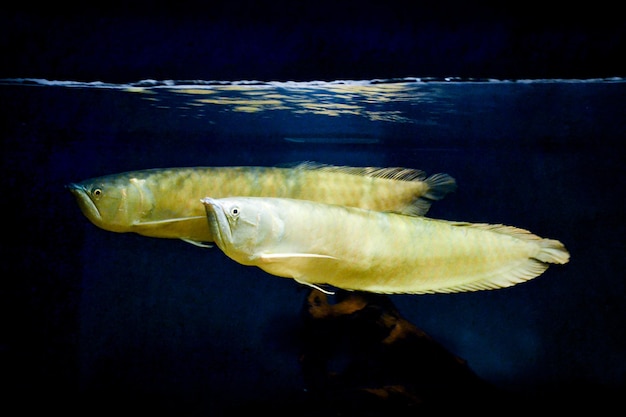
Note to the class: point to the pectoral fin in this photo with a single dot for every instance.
(196, 243)
(290, 265)
(168, 221)
(277, 257)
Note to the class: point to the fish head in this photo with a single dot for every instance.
(241, 226)
(115, 203)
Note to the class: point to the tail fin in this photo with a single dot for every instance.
(550, 252)
(553, 251)
(439, 185)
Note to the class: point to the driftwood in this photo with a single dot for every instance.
(360, 356)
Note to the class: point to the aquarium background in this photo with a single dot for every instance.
(523, 106)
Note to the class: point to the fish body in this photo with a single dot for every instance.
(358, 249)
(164, 203)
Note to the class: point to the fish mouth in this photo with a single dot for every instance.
(87, 206)
(218, 223)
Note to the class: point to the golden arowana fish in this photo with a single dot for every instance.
(165, 203)
(357, 249)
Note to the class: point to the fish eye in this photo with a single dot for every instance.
(96, 192)
(235, 211)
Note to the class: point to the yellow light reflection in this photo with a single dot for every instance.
(330, 99)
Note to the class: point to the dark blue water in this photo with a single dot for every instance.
(120, 317)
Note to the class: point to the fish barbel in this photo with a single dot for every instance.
(164, 203)
(358, 249)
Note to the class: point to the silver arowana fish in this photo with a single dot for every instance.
(165, 203)
(358, 249)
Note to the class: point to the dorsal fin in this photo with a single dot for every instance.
(438, 185)
(393, 173)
